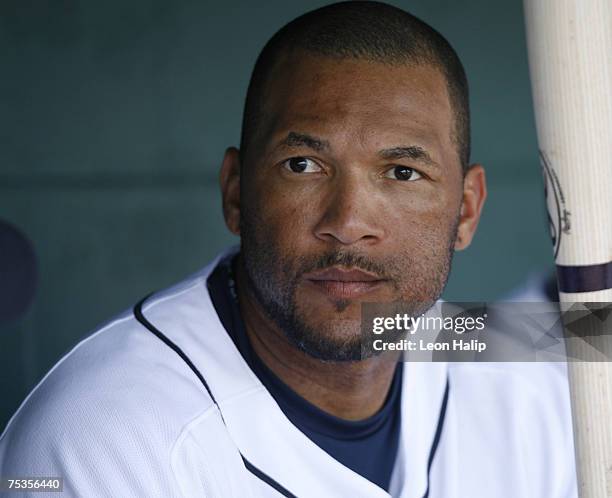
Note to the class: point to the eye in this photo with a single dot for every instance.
(403, 173)
(301, 165)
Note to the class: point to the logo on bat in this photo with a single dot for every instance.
(558, 216)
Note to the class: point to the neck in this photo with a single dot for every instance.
(349, 390)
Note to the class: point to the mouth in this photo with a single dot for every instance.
(344, 283)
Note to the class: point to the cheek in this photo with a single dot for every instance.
(424, 213)
(286, 216)
(423, 233)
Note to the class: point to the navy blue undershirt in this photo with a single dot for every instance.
(368, 447)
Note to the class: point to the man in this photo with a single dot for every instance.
(352, 184)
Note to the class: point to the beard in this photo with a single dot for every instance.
(274, 275)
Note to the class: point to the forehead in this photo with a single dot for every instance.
(359, 102)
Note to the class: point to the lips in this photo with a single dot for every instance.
(343, 283)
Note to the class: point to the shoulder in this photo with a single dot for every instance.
(120, 399)
(544, 384)
(531, 397)
(523, 410)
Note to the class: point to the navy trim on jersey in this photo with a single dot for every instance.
(248, 465)
(436, 441)
(266, 478)
(140, 317)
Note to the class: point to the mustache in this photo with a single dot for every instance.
(348, 259)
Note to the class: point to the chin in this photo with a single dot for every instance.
(338, 340)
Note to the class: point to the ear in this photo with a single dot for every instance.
(229, 179)
(474, 195)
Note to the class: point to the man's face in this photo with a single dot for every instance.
(351, 193)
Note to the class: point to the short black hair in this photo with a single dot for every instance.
(366, 30)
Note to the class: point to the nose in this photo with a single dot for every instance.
(352, 214)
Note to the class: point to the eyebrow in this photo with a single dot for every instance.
(295, 139)
(410, 152)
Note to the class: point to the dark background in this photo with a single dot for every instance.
(114, 116)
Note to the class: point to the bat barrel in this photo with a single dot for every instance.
(570, 61)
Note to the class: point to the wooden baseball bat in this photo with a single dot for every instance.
(570, 62)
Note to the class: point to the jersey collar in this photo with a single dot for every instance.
(263, 434)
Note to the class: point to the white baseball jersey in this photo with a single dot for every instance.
(160, 403)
